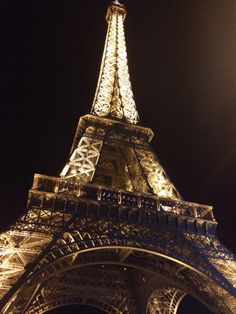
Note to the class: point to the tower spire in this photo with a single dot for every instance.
(113, 206)
(114, 96)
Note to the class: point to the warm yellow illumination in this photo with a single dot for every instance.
(114, 96)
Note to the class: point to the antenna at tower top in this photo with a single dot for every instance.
(117, 2)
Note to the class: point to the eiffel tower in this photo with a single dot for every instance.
(112, 231)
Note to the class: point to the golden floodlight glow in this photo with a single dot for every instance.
(114, 95)
(112, 231)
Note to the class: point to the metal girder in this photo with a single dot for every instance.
(65, 253)
(156, 175)
(17, 250)
(114, 96)
(165, 301)
(123, 254)
(113, 231)
(108, 289)
(84, 158)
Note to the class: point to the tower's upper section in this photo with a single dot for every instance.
(114, 97)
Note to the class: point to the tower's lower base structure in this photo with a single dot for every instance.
(112, 231)
(118, 251)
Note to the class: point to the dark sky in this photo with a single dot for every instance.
(182, 58)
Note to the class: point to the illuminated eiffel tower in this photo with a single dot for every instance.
(112, 231)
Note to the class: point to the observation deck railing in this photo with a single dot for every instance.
(120, 197)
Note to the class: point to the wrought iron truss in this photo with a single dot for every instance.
(165, 301)
(114, 96)
(117, 154)
(113, 231)
(91, 226)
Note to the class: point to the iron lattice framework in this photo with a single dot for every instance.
(114, 96)
(112, 231)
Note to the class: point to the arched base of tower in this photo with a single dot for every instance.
(116, 280)
(105, 288)
(115, 289)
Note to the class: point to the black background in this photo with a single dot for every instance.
(182, 59)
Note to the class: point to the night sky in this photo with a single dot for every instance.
(182, 60)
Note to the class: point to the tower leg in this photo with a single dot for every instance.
(165, 301)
